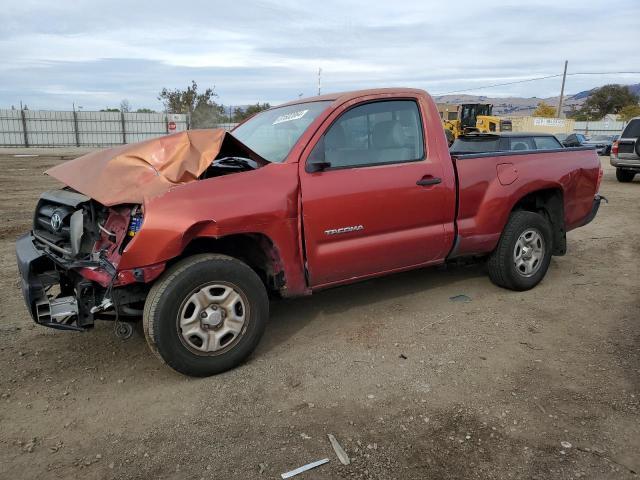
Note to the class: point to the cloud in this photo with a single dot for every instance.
(97, 53)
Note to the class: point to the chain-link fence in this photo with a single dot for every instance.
(44, 128)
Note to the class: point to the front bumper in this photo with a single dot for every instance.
(30, 261)
(38, 273)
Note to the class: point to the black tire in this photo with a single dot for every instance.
(501, 263)
(625, 176)
(168, 296)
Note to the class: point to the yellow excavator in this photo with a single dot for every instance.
(475, 117)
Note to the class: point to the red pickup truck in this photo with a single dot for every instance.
(193, 231)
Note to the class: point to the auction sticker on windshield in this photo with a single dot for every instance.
(289, 117)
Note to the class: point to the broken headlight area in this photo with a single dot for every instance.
(76, 231)
(69, 262)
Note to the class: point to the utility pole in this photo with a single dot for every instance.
(319, 80)
(564, 78)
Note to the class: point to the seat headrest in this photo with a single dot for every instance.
(388, 134)
(335, 138)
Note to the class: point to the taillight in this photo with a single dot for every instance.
(600, 175)
(614, 149)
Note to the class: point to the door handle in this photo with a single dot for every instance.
(426, 181)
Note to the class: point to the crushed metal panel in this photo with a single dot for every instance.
(131, 173)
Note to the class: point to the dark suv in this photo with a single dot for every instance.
(625, 153)
(574, 140)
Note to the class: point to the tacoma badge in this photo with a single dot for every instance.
(335, 231)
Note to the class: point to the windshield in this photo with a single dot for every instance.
(273, 133)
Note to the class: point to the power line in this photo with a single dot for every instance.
(500, 84)
(535, 79)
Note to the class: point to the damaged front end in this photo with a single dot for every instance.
(69, 262)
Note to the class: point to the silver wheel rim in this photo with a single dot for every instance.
(213, 318)
(528, 252)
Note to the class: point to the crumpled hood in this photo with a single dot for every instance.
(132, 173)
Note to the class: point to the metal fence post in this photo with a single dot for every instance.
(188, 121)
(124, 132)
(75, 128)
(166, 123)
(24, 128)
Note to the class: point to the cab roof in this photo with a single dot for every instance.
(342, 97)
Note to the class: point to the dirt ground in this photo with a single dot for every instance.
(412, 384)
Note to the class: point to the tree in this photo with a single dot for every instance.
(629, 111)
(208, 115)
(124, 106)
(608, 99)
(145, 110)
(187, 100)
(110, 110)
(582, 114)
(204, 111)
(544, 110)
(240, 114)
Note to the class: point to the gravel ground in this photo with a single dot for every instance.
(411, 383)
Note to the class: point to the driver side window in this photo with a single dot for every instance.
(372, 134)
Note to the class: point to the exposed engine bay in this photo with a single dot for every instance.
(82, 242)
(228, 165)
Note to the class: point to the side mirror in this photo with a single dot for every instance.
(316, 161)
(317, 166)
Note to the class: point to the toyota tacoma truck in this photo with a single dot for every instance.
(194, 232)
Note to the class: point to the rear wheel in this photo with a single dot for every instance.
(206, 314)
(523, 254)
(625, 176)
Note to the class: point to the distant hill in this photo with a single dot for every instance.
(635, 88)
(524, 106)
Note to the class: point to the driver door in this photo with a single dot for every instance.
(377, 204)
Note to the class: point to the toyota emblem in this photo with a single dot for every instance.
(56, 222)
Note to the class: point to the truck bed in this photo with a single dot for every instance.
(491, 184)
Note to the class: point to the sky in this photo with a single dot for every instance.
(93, 54)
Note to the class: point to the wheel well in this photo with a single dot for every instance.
(550, 204)
(256, 250)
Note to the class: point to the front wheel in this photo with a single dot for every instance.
(625, 176)
(206, 314)
(523, 254)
